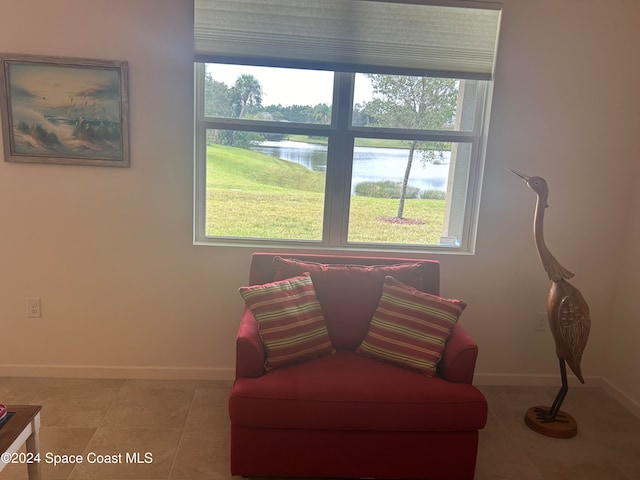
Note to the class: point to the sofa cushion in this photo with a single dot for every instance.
(348, 294)
(347, 391)
(410, 328)
(290, 320)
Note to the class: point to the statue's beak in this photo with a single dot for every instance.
(521, 175)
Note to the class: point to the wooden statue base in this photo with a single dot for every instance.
(567, 428)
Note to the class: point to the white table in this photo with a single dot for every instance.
(22, 428)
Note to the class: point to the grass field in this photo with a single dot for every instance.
(251, 195)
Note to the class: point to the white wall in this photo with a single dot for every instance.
(622, 355)
(110, 250)
(565, 108)
(124, 292)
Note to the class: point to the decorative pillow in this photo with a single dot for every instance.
(290, 320)
(348, 294)
(410, 328)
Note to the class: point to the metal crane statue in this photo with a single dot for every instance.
(569, 321)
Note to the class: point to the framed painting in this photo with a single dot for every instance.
(64, 110)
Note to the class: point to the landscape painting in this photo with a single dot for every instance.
(64, 111)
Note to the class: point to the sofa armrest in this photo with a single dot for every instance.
(458, 361)
(249, 349)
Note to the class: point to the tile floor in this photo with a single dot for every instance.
(184, 425)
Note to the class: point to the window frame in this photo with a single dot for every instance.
(341, 136)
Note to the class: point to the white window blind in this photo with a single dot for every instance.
(456, 39)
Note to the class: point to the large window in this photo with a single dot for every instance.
(367, 157)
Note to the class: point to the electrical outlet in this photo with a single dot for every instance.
(540, 324)
(33, 308)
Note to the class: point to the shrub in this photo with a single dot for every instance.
(385, 189)
(433, 195)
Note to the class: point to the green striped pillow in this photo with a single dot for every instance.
(290, 320)
(410, 328)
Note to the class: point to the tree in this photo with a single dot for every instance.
(360, 116)
(247, 92)
(217, 98)
(228, 102)
(322, 113)
(423, 103)
(217, 103)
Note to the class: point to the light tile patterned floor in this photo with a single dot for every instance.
(184, 425)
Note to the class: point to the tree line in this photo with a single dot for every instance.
(244, 100)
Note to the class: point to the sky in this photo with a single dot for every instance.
(48, 87)
(286, 86)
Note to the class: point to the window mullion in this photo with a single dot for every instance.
(199, 90)
(421, 135)
(339, 163)
(200, 150)
(265, 126)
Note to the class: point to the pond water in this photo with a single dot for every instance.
(369, 163)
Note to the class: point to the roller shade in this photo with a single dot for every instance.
(457, 39)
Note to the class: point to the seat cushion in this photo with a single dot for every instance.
(347, 391)
(348, 294)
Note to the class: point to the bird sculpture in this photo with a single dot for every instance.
(567, 310)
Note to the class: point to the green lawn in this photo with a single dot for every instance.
(254, 195)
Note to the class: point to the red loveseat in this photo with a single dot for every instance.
(346, 415)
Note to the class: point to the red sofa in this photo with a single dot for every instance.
(346, 415)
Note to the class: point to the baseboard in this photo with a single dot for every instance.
(532, 380)
(539, 380)
(92, 371)
(629, 403)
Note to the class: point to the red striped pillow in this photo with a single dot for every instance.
(290, 320)
(410, 327)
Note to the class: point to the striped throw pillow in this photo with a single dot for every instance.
(410, 328)
(290, 320)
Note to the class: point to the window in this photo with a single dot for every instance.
(377, 154)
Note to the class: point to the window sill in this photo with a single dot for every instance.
(317, 247)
